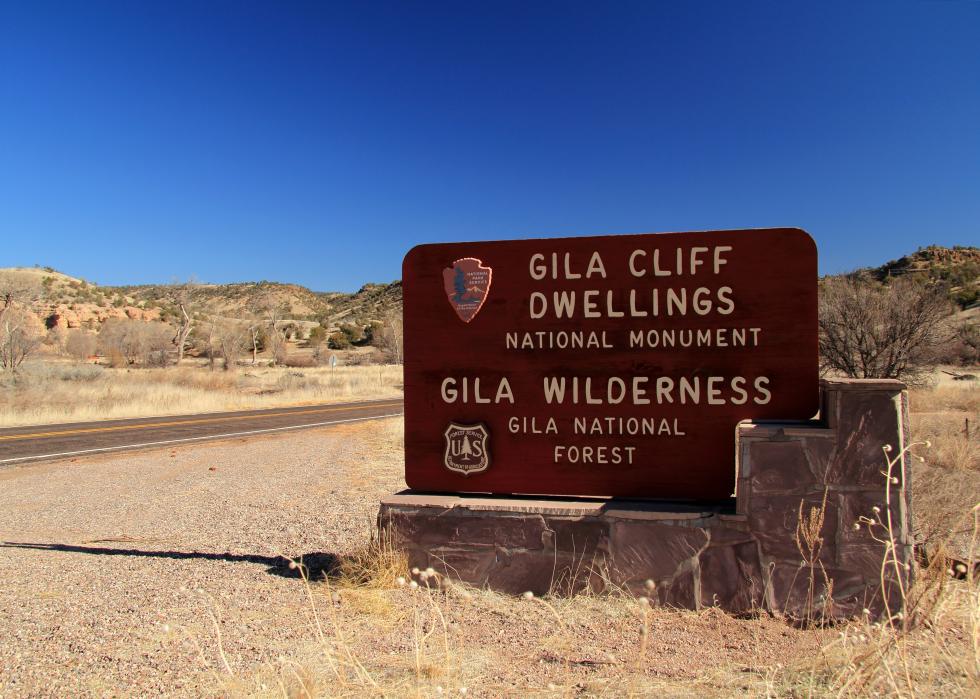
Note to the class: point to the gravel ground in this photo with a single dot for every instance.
(159, 573)
(101, 558)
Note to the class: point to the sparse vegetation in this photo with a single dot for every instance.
(47, 392)
(379, 629)
(188, 326)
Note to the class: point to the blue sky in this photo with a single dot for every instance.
(316, 143)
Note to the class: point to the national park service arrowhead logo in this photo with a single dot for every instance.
(467, 284)
(467, 448)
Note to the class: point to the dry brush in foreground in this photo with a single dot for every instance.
(378, 629)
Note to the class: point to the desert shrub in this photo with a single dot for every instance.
(127, 341)
(299, 361)
(157, 358)
(354, 333)
(965, 298)
(115, 358)
(297, 381)
(41, 373)
(966, 346)
(358, 358)
(371, 331)
(80, 344)
(80, 372)
(338, 341)
(318, 335)
(56, 337)
(185, 377)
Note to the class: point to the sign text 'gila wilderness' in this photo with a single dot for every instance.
(612, 365)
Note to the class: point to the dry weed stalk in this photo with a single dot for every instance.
(907, 650)
(809, 541)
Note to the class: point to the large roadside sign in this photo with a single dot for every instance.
(608, 366)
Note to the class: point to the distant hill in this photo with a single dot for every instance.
(79, 303)
(237, 300)
(958, 267)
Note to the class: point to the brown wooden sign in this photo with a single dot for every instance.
(612, 365)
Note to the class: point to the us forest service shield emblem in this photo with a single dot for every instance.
(467, 284)
(467, 448)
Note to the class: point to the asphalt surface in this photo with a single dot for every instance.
(41, 442)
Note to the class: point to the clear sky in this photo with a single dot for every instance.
(316, 142)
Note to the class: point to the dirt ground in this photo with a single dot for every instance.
(160, 573)
(163, 573)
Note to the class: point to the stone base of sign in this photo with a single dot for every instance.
(813, 519)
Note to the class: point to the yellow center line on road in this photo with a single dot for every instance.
(198, 421)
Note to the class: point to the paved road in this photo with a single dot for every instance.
(39, 442)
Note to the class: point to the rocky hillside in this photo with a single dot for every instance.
(240, 300)
(958, 267)
(71, 302)
(372, 301)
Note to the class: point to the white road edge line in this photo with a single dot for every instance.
(194, 439)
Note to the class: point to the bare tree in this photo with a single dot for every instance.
(254, 328)
(20, 330)
(21, 333)
(18, 289)
(223, 337)
(389, 337)
(181, 296)
(232, 339)
(871, 331)
(203, 340)
(273, 311)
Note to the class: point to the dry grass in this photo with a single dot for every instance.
(52, 392)
(931, 650)
(440, 639)
(946, 483)
(377, 629)
(959, 397)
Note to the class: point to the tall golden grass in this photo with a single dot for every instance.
(946, 482)
(49, 392)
